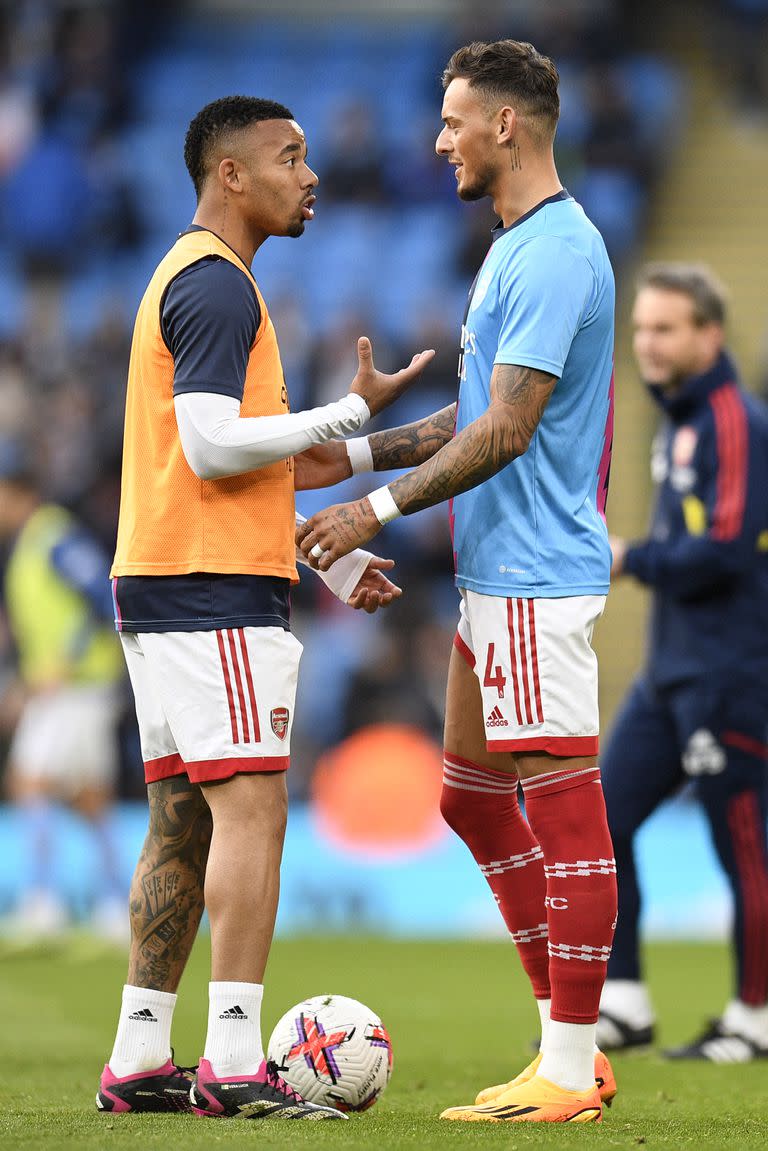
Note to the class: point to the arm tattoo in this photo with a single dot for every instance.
(519, 396)
(414, 443)
(166, 900)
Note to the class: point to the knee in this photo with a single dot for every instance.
(462, 812)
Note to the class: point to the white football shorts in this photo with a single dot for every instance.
(212, 704)
(67, 736)
(537, 671)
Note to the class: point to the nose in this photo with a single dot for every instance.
(312, 178)
(442, 147)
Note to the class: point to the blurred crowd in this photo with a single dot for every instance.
(94, 102)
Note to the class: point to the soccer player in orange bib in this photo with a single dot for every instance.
(201, 577)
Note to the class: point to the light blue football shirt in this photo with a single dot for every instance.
(544, 298)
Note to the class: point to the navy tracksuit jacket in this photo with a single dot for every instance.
(699, 710)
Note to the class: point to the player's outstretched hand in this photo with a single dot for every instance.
(336, 531)
(374, 589)
(321, 466)
(378, 389)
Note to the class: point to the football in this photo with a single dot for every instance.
(333, 1050)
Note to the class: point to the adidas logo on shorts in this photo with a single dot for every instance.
(496, 719)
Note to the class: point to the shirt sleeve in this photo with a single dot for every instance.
(209, 320)
(546, 290)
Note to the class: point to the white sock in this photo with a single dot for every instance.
(143, 1040)
(543, 1005)
(629, 1001)
(743, 1019)
(233, 1043)
(568, 1058)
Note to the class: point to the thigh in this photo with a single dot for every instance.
(228, 697)
(640, 765)
(464, 718)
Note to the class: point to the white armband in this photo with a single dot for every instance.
(384, 507)
(360, 455)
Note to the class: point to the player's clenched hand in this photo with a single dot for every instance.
(321, 465)
(374, 589)
(336, 531)
(377, 389)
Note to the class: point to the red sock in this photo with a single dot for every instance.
(481, 806)
(566, 811)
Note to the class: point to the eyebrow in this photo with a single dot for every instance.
(289, 148)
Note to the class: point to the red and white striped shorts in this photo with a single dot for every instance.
(212, 704)
(537, 671)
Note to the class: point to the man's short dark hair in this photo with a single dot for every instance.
(696, 281)
(230, 113)
(510, 71)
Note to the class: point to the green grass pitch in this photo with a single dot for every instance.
(460, 1017)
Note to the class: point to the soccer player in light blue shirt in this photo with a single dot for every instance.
(524, 459)
(543, 299)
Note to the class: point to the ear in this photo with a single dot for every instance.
(506, 125)
(229, 175)
(715, 339)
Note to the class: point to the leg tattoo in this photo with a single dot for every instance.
(166, 900)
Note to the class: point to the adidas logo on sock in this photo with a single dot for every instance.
(233, 1013)
(496, 719)
(143, 1016)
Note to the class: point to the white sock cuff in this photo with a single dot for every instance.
(149, 995)
(234, 988)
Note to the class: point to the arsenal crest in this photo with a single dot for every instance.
(279, 719)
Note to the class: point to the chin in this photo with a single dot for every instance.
(296, 230)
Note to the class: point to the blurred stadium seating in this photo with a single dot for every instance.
(101, 111)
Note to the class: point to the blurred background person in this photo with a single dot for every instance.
(64, 749)
(698, 712)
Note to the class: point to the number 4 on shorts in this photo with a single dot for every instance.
(494, 677)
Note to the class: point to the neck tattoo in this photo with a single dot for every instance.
(514, 156)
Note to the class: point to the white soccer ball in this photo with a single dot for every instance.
(334, 1051)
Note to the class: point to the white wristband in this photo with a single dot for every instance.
(360, 455)
(384, 507)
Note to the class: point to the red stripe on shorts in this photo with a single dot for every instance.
(535, 659)
(240, 692)
(524, 661)
(513, 661)
(249, 681)
(228, 686)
